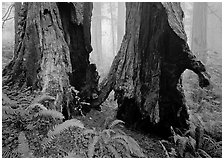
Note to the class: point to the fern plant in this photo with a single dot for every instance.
(109, 138)
(36, 119)
(200, 146)
(60, 128)
(23, 146)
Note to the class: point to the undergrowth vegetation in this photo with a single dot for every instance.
(36, 131)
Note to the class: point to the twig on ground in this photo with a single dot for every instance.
(165, 150)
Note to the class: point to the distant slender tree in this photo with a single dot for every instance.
(199, 30)
(120, 23)
(97, 32)
(112, 28)
(17, 7)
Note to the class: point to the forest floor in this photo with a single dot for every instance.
(22, 140)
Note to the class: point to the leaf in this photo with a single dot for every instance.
(121, 141)
(203, 154)
(30, 127)
(8, 110)
(132, 144)
(6, 153)
(7, 100)
(65, 125)
(52, 113)
(72, 155)
(135, 148)
(23, 147)
(47, 141)
(165, 150)
(119, 131)
(89, 131)
(105, 134)
(192, 142)
(176, 137)
(181, 145)
(43, 98)
(115, 122)
(113, 151)
(91, 147)
(32, 106)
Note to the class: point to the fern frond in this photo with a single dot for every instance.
(119, 131)
(43, 98)
(23, 147)
(72, 155)
(135, 149)
(115, 122)
(52, 113)
(113, 151)
(125, 144)
(46, 142)
(203, 154)
(91, 147)
(8, 110)
(6, 153)
(89, 131)
(32, 106)
(211, 147)
(8, 101)
(65, 125)
(108, 132)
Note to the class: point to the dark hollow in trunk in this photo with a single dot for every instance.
(145, 74)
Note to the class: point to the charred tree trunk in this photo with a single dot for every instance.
(53, 51)
(146, 71)
(199, 30)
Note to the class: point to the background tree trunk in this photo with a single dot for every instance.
(112, 28)
(120, 23)
(53, 51)
(97, 33)
(17, 7)
(199, 30)
(146, 71)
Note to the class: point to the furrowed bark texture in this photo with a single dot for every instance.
(53, 50)
(146, 71)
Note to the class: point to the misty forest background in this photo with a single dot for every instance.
(203, 25)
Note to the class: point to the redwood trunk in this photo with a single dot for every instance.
(53, 51)
(146, 71)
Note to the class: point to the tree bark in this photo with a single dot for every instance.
(199, 30)
(53, 51)
(146, 71)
